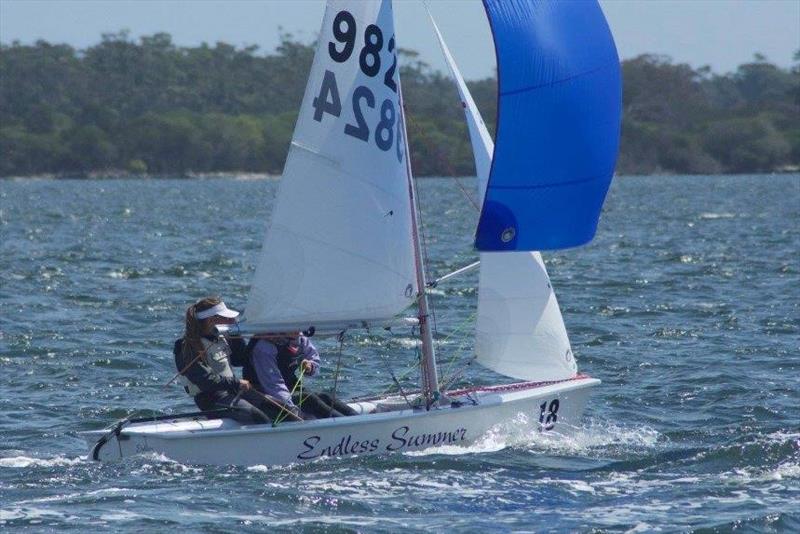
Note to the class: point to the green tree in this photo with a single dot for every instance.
(152, 105)
(747, 144)
(168, 144)
(88, 148)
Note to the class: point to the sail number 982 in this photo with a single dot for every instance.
(388, 128)
(345, 33)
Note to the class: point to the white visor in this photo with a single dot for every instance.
(220, 309)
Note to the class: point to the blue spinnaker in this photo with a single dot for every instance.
(558, 124)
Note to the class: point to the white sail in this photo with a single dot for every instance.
(482, 145)
(520, 331)
(338, 248)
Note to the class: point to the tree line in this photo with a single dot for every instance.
(151, 107)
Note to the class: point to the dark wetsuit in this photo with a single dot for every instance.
(213, 385)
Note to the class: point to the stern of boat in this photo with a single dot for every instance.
(556, 406)
(105, 445)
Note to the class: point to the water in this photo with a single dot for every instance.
(686, 305)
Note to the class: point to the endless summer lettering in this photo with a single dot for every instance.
(402, 438)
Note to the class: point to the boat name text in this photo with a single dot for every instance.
(402, 438)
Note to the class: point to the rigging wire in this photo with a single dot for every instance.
(396, 379)
(466, 194)
(455, 376)
(397, 382)
(338, 368)
(459, 349)
(421, 227)
(412, 124)
(448, 164)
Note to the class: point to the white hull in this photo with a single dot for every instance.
(226, 442)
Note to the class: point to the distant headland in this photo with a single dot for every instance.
(125, 107)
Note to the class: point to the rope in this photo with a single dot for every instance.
(272, 401)
(450, 381)
(338, 368)
(410, 369)
(459, 328)
(411, 124)
(390, 390)
(400, 388)
(298, 387)
(466, 194)
(284, 413)
(397, 379)
(413, 367)
(394, 378)
(179, 373)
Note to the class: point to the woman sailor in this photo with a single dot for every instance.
(204, 361)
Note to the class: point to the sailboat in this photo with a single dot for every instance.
(352, 256)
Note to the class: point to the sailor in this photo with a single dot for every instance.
(273, 372)
(204, 361)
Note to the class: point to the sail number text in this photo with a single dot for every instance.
(388, 128)
(548, 414)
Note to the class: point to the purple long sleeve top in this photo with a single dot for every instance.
(265, 361)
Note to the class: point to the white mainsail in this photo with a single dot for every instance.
(339, 245)
(520, 331)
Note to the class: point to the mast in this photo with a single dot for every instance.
(428, 376)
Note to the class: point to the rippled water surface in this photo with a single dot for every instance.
(686, 305)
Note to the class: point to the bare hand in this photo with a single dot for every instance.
(245, 385)
(306, 367)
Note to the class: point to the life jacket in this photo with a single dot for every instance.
(284, 359)
(217, 357)
(287, 356)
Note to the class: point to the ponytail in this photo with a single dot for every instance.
(192, 342)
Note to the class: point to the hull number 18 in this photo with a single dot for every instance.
(548, 414)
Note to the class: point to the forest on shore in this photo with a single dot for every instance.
(151, 107)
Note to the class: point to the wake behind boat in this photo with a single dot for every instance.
(352, 257)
